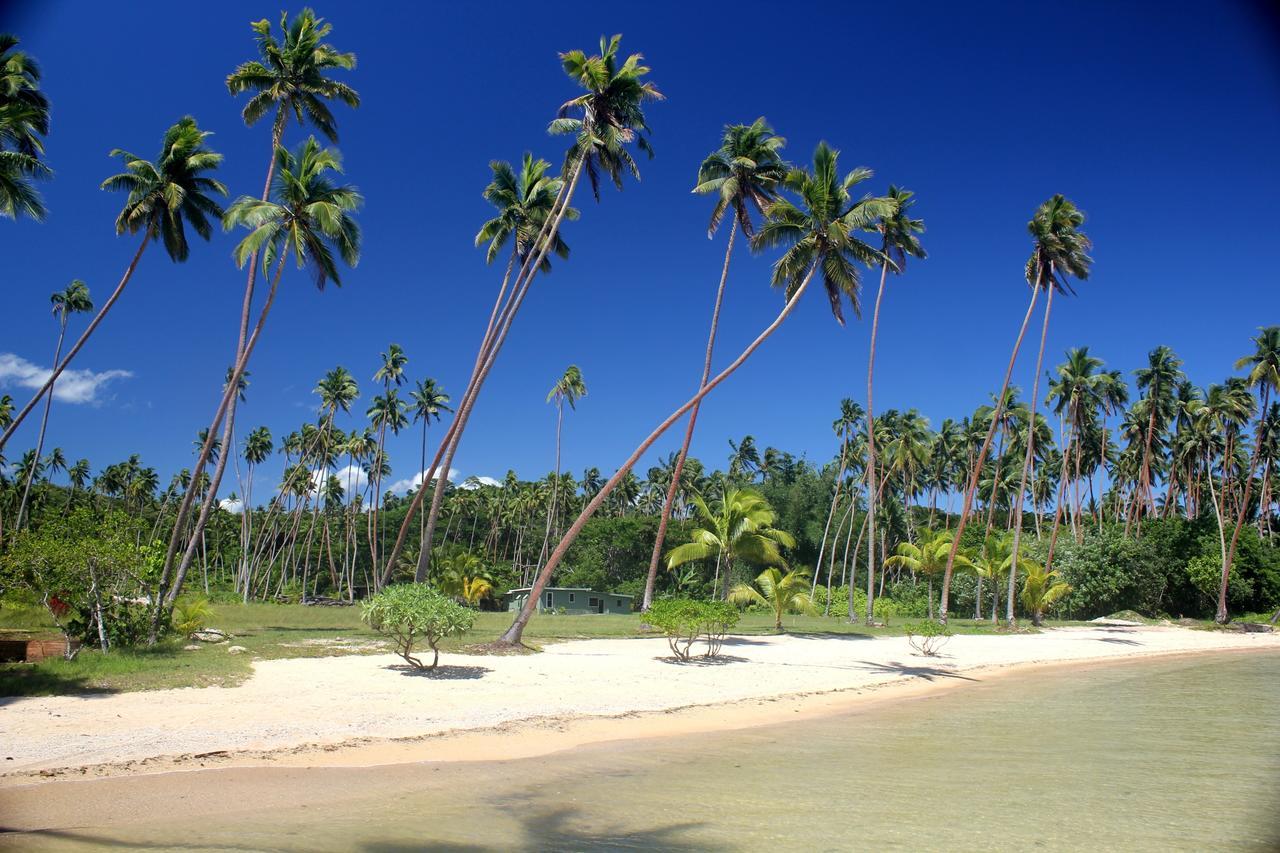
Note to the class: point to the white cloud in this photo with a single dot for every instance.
(73, 386)
(475, 482)
(352, 477)
(400, 487)
(232, 505)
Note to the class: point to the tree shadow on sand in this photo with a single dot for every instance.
(928, 673)
(443, 672)
(699, 660)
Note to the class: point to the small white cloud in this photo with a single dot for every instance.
(352, 477)
(73, 386)
(400, 487)
(475, 482)
(232, 505)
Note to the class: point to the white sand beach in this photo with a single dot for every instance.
(366, 710)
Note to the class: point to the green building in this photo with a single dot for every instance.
(571, 599)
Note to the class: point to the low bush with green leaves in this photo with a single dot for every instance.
(928, 637)
(685, 621)
(414, 612)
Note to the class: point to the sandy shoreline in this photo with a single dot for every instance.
(367, 710)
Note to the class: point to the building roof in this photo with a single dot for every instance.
(570, 589)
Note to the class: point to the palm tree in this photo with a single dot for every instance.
(1076, 396)
(1053, 231)
(738, 526)
(311, 218)
(1060, 250)
(844, 427)
(1041, 589)
(782, 592)
(429, 400)
(74, 300)
(898, 240)
(24, 119)
(990, 563)
(386, 411)
(165, 196)
(257, 449)
(743, 173)
(928, 558)
(820, 235)
(567, 389)
(1264, 374)
(1159, 378)
(611, 116)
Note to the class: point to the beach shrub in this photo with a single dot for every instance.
(190, 615)
(928, 637)
(413, 612)
(685, 621)
(840, 602)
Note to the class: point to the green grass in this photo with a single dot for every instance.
(272, 631)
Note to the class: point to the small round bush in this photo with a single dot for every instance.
(414, 611)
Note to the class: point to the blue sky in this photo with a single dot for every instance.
(1163, 126)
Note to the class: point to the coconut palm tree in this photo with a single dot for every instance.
(897, 241)
(310, 218)
(74, 300)
(1041, 589)
(609, 116)
(429, 400)
(743, 174)
(738, 526)
(928, 558)
(387, 411)
(164, 197)
(1263, 365)
(844, 427)
(24, 120)
(783, 593)
(1059, 250)
(820, 234)
(1159, 379)
(567, 389)
(289, 78)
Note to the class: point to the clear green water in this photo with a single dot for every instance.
(1156, 755)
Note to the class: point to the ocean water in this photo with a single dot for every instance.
(1173, 754)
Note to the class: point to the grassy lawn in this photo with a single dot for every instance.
(270, 631)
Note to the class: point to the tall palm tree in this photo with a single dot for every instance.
(1264, 374)
(288, 78)
(164, 197)
(1056, 221)
(429, 400)
(609, 117)
(74, 300)
(1060, 251)
(844, 427)
(743, 174)
(820, 235)
(24, 119)
(257, 449)
(387, 412)
(897, 240)
(567, 389)
(738, 526)
(1076, 396)
(1159, 378)
(310, 218)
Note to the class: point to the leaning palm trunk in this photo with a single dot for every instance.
(972, 488)
(826, 529)
(226, 407)
(555, 487)
(44, 425)
(490, 346)
(166, 593)
(1221, 615)
(1026, 461)
(674, 488)
(47, 387)
(513, 634)
(871, 437)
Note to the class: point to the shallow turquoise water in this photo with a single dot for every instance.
(1175, 754)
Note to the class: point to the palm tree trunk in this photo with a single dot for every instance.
(226, 407)
(972, 488)
(835, 499)
(80, 342)
(44, 425)
(1221, 616)
(228, 395)
(872, 498)
(489, 349)
(1031, 442)
(555, 484)
(513, 634)
(674, 488)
